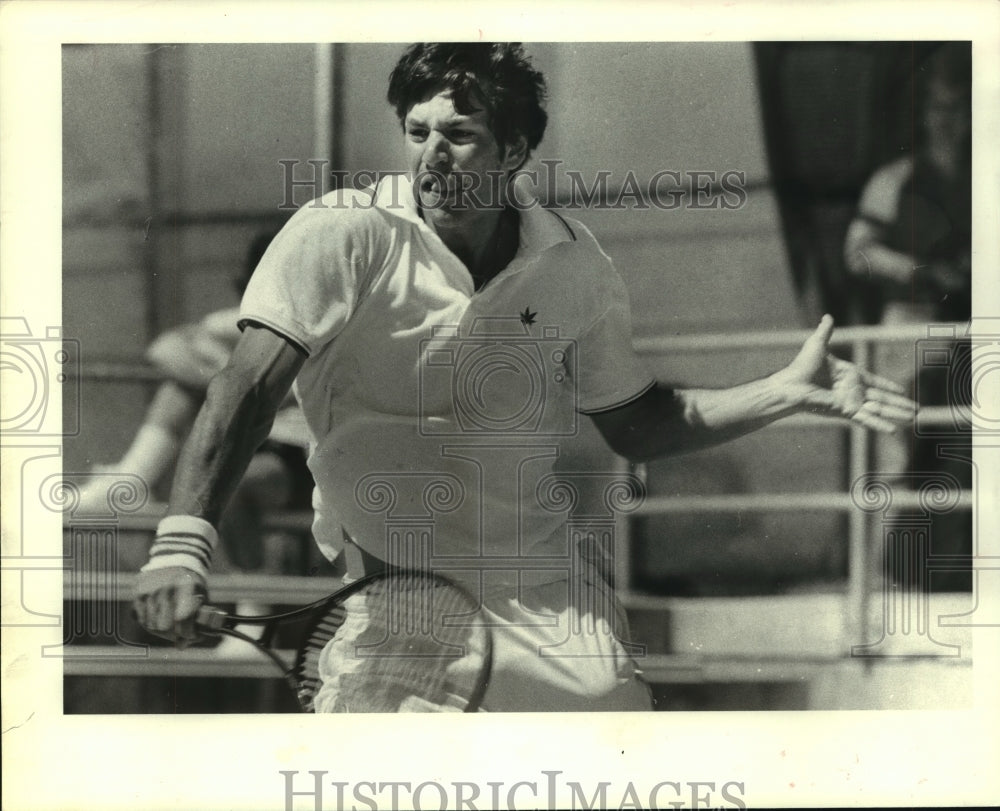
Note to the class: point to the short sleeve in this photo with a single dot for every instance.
(880, 199)
(309, 281)
(609, 373)
(607, 369)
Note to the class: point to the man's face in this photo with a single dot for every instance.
(457, 164)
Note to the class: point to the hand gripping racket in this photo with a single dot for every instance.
(400, 641)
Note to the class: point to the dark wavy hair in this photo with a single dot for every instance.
(497, 75)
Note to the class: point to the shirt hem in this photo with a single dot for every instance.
(620, 403)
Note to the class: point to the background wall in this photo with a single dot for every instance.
(170, 168)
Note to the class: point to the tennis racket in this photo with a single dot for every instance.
(399, 641)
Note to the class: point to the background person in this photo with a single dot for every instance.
(912, 235)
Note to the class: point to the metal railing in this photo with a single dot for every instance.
(862, 343)
(856, 602)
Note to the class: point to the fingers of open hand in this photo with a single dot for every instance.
(877, 417)
(891, 405)
(872, 406)
(848, 391)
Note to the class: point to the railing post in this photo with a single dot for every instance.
(906, 563)
(859, 522)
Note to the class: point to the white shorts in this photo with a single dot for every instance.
(558, 646)
(562, 646)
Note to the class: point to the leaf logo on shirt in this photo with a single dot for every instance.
(528, 317)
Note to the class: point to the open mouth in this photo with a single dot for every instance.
(436, 191)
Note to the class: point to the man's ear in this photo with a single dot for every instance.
(515, 154)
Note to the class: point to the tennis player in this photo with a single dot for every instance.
(400, 315)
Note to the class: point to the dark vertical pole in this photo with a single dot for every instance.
(337, 58)
(154, 205)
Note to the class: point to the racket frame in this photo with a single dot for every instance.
(214, 621)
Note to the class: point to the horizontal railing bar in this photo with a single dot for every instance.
(118, 372)
(759, 502)
(795, 602)
(176, 219)
(110, 661)
(800, 602)
(149, 517)
(652, 505)
(267, 589)
(662, 344)
(700, 660)
(945, 415)
(292, 590)
(682, 668)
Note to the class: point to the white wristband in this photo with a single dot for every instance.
(183, 540)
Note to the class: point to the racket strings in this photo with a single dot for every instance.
(415, 645)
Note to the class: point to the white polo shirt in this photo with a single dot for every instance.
(437, 411)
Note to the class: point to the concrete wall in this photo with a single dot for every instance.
(170, 168)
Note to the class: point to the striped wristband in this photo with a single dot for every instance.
(183, 540)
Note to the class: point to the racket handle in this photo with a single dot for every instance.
(211, 618)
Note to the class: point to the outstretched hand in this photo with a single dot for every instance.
(833, 387)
